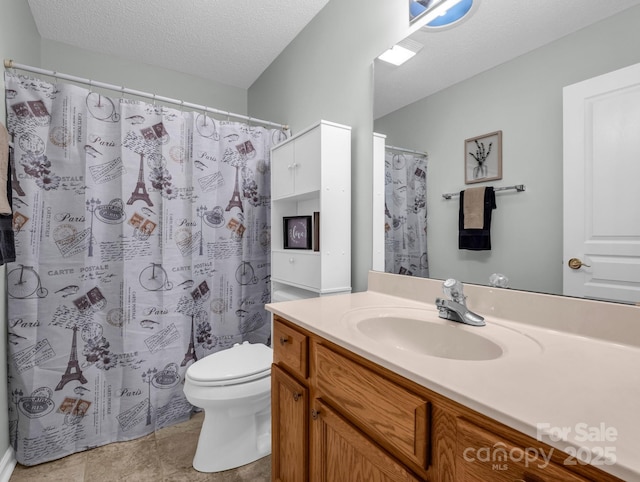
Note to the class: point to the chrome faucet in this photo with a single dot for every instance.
(455, 308)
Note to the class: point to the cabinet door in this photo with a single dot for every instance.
(282, 170)
(482, 456)
(342, 454)
(289, 428)
(306, 165)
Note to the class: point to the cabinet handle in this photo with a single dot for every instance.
(284, 340)
(291, 260)
(297, 396)
(315, 414)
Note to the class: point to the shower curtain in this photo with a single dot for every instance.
(142, 240)
(406, 214)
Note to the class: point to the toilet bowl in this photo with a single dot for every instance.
(233, 387)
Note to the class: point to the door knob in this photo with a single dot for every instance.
(576, 263)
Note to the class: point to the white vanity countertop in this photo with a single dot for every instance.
(587, 387)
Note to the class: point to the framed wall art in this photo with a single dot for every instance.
(297, 232)
(483, 158)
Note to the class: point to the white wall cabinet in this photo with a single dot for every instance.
(297, 166)
(311, 172)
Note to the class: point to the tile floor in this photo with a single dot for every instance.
(159, 457)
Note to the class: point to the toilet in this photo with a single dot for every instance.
(233, 387)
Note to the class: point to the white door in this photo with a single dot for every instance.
(602, 186)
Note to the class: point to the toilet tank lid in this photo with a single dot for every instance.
(239, 361)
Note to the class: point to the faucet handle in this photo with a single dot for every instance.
(453, 289)
(498, 280)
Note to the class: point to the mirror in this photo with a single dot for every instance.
(503, 69)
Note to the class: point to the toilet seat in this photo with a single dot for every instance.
(239, 364)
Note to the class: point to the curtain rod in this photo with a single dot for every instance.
(402, 149)
(10, 64)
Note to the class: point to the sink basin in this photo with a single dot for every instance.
(429, 338)
(422, 332)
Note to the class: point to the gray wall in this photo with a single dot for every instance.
(326, 73)
(523, 98)
(18, 40)
(147, 78)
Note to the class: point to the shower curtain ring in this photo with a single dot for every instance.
(204, 113)
(90, 86)
(122, 92)
(154, 100)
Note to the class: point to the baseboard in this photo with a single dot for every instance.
(7, 464)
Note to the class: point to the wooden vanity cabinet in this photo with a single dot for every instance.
(329, 421)
(338, 417)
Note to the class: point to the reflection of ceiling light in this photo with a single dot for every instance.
(401, 52)
(396, 55)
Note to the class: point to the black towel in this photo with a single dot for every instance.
(477, 239)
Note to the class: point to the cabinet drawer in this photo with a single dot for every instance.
(482, 455)
(290, 349)
(393, 416)
(296, 268)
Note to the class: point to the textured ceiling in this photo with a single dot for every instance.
(229, 41)
(498, 31)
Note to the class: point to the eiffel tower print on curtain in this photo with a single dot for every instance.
(140, 192)
(235, 200)
(191, 351)
(73, 371)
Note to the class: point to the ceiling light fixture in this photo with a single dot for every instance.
(424, 12)
(401, 52)
(453, 16)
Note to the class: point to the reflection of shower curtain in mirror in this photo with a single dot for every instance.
(406, 214)
(142, 240)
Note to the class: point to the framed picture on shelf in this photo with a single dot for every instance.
(297, 232)
(483, 158)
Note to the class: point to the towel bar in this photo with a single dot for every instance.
(517, 187)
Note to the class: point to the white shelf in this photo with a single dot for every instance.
(311, 172)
